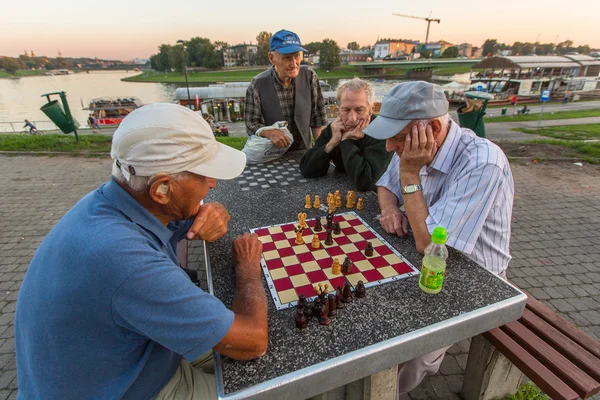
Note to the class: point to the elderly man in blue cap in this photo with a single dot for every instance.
(444, 175)
(288, 92)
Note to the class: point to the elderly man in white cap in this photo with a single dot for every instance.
(444, 175)
(105, 311)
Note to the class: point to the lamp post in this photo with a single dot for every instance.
(187, 85)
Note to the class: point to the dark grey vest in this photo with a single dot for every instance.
(271, 109)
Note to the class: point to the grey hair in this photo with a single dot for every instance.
(356, 85)
(138, 184)
(444, 120)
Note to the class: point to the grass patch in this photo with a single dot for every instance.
(452, 69)
(528, 391)
(588, 152)
(567, 132)
(88, 144)
(21, 72)
(546, 116)
(235, 142)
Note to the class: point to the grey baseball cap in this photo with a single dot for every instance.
(406, 102)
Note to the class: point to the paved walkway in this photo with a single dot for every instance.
(555, 226)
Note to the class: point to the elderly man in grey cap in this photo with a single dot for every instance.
(444, 175)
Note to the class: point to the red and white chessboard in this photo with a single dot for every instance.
(292, 270)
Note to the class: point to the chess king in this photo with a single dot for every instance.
(165, 160)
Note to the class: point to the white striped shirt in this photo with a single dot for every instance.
(469, 190)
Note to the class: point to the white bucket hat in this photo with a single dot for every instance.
(169, 138)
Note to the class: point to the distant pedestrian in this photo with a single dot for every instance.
(566, 98)
(513, 100)
(93, 123)
(31, 126)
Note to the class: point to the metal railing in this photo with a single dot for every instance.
(42, 125)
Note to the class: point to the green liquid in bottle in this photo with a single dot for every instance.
(434, 262)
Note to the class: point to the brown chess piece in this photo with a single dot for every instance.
(329, 238)
(337, 229)
(338, 298)
(369, 250)
(347, 266)
(324, 315)
(347, 293)
(329, 219)
(332, 305)
(308, 311)
(360, 291)
(318, 225)
(301, 321)
(316, 307)
(301, 301)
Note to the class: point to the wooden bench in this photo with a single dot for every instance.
(560, 359)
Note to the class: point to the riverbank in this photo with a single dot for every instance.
(344, 72)
(21, 73)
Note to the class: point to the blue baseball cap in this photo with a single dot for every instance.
(285, 42)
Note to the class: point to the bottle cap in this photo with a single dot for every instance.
(439, 235)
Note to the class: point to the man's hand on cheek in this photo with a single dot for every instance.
(356, 132)
(210, 223)
(419, 149)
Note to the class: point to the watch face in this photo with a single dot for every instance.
(408, 189)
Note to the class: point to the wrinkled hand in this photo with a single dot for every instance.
(247, 251)
(277, 137)
(357, 132)
(337, 131)
(419, 149)
(210, 223)
(394, 222)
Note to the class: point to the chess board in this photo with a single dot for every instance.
(273, 174)
(292, 270)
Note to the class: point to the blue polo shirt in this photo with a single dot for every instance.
(105, 311)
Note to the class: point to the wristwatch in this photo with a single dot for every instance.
(408, 189)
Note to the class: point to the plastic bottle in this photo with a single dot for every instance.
(434, 262)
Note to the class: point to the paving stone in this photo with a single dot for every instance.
(592, 315)
(454, 382)
(454, 349)
(464, 345)
(539, 293)
(450, 366)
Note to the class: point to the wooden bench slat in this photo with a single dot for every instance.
(574, 352)
(545, 379)
(567, 328)
(552, 359)
(182, 253)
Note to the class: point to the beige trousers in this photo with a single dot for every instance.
(192, 381)
(411, 373)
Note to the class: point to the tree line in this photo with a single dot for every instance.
(13, 64)
(202, 53)
(492, 46)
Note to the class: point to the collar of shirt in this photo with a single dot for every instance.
(444, 158)
(278, 81)
(136, 212)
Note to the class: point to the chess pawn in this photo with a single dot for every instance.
(317, 203)
(301, 301)
(316, 243)
(338, 298)
(308, 205)
(302, 219)
(324, 314)
(347, 266)
(337, 229)
(349, 203)
(360, 291)
(330, 200)
(360, 205)
(336, 268)
(338, 199)
(347, 294)
(299, 239)
(301, 321)
(369, 250)
(318, 226)
(308, 311)
(316, 307)
(332, 305)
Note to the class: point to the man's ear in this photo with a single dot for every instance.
(436, 127)
(160, 190)
(271, 57)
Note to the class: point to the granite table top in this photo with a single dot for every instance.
(394, 323)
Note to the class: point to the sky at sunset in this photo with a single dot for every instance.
(123, 30)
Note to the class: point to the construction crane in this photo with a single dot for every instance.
(429, 20)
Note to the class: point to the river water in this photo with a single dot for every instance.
(20, 98)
